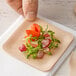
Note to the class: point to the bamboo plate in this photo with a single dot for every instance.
(47, 63)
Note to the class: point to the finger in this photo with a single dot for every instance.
(16, 5)
(30, 8)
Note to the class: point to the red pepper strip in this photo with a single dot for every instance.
(35, 27)
(33, 33)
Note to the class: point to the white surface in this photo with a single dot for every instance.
(18, 68)
(60, 11)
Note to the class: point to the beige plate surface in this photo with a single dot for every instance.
(47, 63)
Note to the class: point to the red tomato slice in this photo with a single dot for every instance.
(46, 49)
(35, 27)
(40, 54)
(46, 35)
(45, 43)
(33, 33)
(22, 48)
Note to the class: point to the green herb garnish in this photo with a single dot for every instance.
(33, 51)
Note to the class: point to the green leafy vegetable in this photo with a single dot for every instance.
(49, 53)
(34, 56)
(46, 28)
(32, 51)
(41, 28)
(56, 40)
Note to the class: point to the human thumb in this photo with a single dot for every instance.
(30, 8)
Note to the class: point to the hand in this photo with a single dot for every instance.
(27, 8)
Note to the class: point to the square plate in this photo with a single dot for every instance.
(47, 63)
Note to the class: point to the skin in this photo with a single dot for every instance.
(27, 8)
(72, 63)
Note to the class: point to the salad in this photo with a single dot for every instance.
(39, 42)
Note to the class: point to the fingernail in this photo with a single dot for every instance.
(29, 1)
(31, 16)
